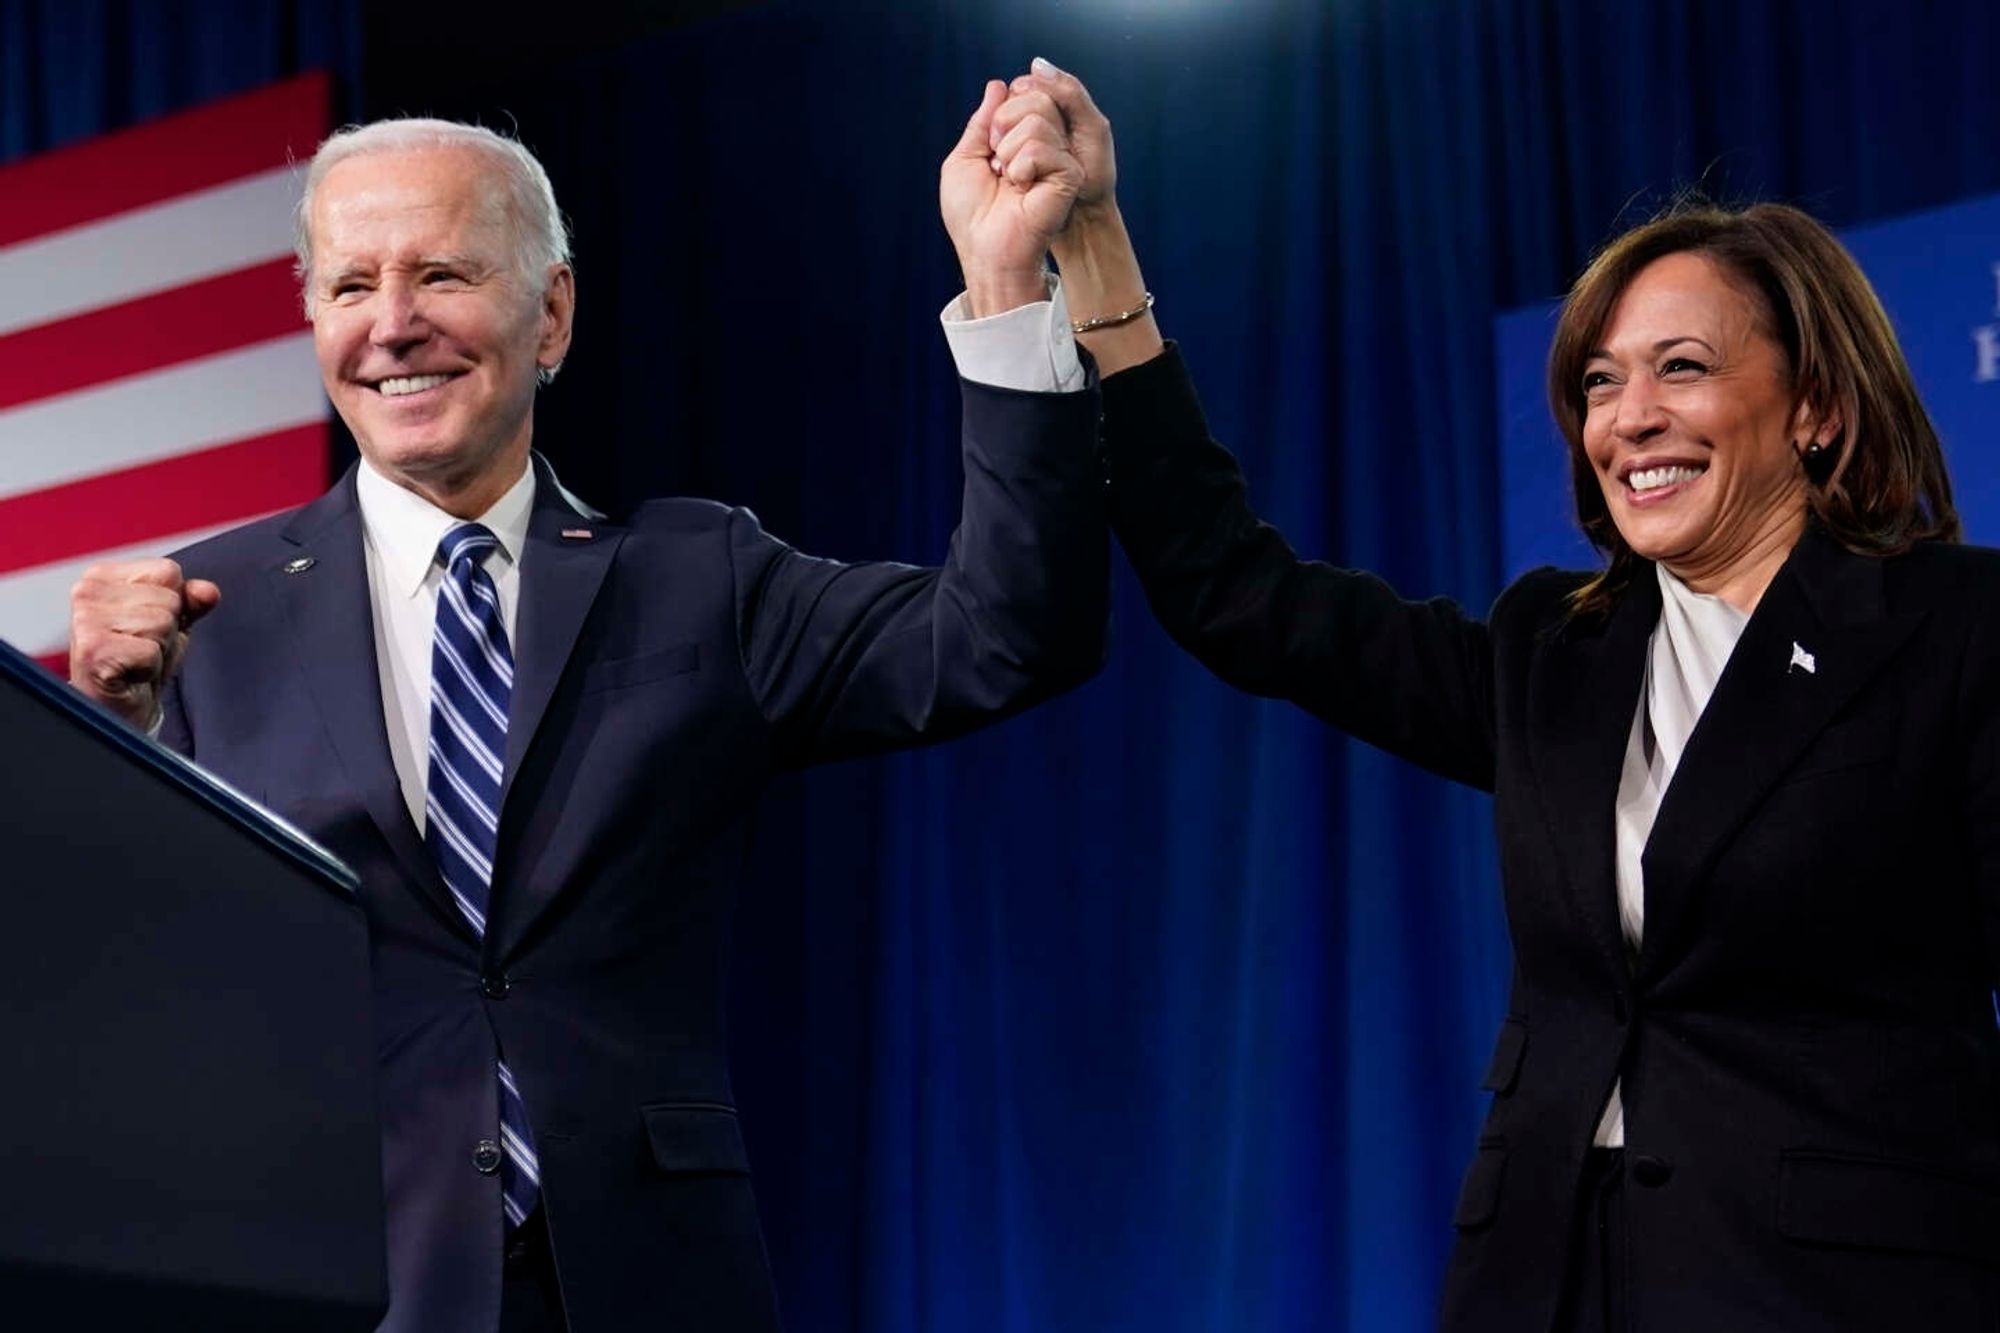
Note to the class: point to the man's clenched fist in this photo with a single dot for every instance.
(128, 626)
(1002, 213)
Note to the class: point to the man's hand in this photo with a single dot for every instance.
(1002, 215)
(1047, 93)
(128, 628)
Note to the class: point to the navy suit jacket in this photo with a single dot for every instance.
(666, 667)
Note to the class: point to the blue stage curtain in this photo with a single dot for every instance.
(70, 69)
(1160, 1009)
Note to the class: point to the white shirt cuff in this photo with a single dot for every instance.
(1029, 348)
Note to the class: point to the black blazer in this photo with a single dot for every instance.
(665, 668)
(1811, 1075)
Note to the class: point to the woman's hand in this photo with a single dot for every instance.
(1049, 94)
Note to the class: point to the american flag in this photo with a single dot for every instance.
(157, 381)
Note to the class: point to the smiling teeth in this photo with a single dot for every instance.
(407, 384)
(1652, 478)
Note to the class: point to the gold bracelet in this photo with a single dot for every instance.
(1112, 321)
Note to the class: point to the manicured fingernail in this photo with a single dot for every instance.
(1043, 68)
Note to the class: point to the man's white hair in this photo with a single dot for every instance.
(534, 221)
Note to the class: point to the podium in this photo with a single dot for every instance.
(189, 1136)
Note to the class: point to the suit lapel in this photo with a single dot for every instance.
(321, 582)
(1819, 634)
(1583, 694)
(567, 555)
(568, 552)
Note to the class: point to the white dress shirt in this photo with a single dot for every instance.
(1685, 656)
(400, 533)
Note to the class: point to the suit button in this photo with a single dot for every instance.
(495, 988)
(486, 1157)
(1652, 1172)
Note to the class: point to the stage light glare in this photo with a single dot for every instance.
(1157, 11)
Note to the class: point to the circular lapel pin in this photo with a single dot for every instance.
(300, 565)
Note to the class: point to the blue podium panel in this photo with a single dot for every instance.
(188, 1123)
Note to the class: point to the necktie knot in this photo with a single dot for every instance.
(467, 541)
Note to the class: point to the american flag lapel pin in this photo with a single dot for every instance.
(577, 534)
(1801, 661)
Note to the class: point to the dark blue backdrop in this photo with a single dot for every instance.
(1160, 1009)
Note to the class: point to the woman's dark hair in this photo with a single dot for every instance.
(1881, 486)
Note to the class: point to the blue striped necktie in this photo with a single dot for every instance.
(472, 678)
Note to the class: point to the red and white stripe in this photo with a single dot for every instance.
(157, 381)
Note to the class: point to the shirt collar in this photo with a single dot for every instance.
(1705, 611)
(405, 529)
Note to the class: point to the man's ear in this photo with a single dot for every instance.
(557, 316)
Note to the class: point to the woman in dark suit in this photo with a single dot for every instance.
(1747, 781)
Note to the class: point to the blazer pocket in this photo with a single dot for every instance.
(1479, 1196)
(695, 1138)
(677, 660)
(1838, 1199)
(1854, 743)
(1508, 1049)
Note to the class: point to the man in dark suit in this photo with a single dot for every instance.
(538, 735)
